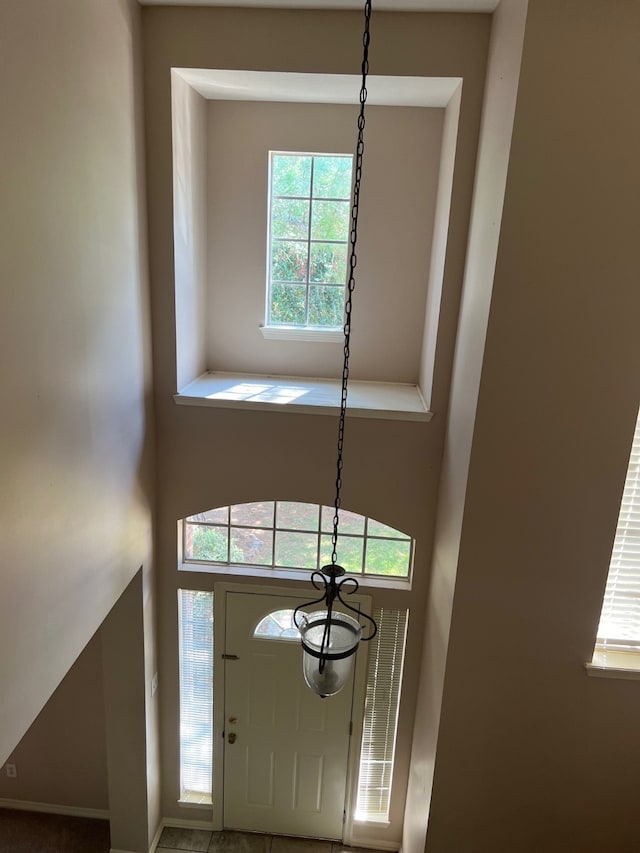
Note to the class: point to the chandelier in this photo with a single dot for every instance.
(330, 638)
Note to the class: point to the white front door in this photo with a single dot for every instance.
(286, 749)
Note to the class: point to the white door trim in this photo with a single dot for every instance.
(305, 593)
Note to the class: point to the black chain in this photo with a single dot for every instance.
(353, 259)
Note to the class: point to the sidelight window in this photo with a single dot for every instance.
(618, 638)
(293, 535)
(380, 727)
(195, 624)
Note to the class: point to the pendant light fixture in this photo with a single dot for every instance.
(330, 638)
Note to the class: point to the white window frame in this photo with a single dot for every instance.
(282, 331)
(617, 649)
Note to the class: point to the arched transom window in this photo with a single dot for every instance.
(292, 535)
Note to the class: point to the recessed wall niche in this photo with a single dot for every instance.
(224, 125)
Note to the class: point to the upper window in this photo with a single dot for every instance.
(618, 639)
(292, 535)
(309, 212)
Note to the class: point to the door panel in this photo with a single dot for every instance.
(286, 770)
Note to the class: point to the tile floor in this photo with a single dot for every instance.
(175, 840)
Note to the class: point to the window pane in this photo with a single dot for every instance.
(252, 546)
(349, 522)
(332, 177)
(348, 552)
(288, 303)
(288, 261)
(267, 627)
(290, 218)
(291, 175)
(211, 516)
(329, 220)
(205, 543)
(388, 557)
(298, 516)
(296, 550)
(375, 528)
(326, 305)
(328, 263)
(259, 514)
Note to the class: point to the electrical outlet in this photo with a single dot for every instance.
(11, 770)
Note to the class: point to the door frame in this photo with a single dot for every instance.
(306, 593)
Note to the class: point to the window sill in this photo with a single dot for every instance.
(301, 575)
(386, 400)
(195, 801)
(294, 333)
(624, 665)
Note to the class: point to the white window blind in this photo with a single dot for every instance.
(384, 678)
(619, 629)
(195, 615)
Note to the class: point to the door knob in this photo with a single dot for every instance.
(231, 737)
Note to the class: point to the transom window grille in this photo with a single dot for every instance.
(195, 631)
(380, 726)
(619, 628)
(309, 214)
(293, 535)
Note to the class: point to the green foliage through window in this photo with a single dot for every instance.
(309, 218)
(293, 535)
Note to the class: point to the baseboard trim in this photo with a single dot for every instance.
(156, 837)
(54, 808)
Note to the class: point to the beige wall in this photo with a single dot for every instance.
(75, 436)
(211, 457)
(440, 245)
(396, 225)
(189, 140)
(132, 779)
(493, 157)
(532, 754)
(61, 760)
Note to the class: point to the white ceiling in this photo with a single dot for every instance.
(382, 5)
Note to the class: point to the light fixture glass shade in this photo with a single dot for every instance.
(327, 668)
